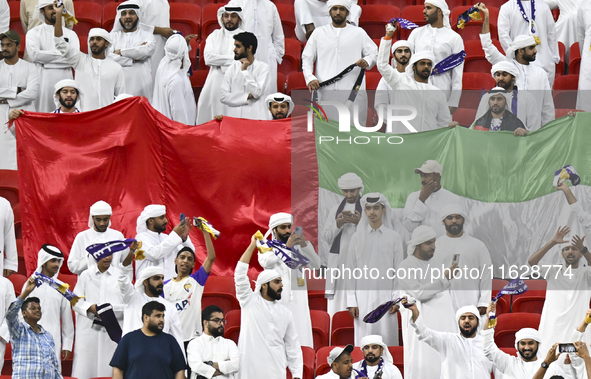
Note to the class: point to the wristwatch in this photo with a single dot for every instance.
(545, 365)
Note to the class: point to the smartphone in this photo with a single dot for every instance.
(347, 213)
(183, 217)
(456, 259)
(567, 348)
(298, 230)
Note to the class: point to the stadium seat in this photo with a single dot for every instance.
(341, 330)
(18, 281)
(450, 3)
(372, 79)
(316, 299)
(564, 112)
(565, 91)
(574, 59)
(397, 353)
(497, 285)
(399, 3)
(89, 15)
(22, 268)
(280, 82)
(495, 3)
(309, 356)
(83, 44)
(509, 323)
(555, 14)
(472, 29)
(320, 328)
(16, 210)
(295, 81)
(413, 13)
(202, 65)
(186, 18)
(464, 116)
(475, 58)
(287, 16)
(209, 19)
(109, 14)
(197, 82)
(19, 247)
(322, 366)
(232, 325)
(9, 186)
(15, 17)
(220, 291)
(560, 66)
(201, 3)
(292, 57)
(374, 17)
(474, 84)
(528, 303)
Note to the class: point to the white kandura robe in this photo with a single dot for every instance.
(207, 348)
(268, 338)
(531, 79)
(442, 42)
(135, 60)
(160, 250)
(429, 101)
(29, 16)
(527, 109)
(155, 13)
(417, 213)
(176, 99)
(219, 55)
(332, 375)
(584, 39)
(513, 367)
(461, 358)
(79, 259)
(4, 15)
(583, 217)
(333, 50)
(295, 297)
(473, 289)
(54, 67)
(336, 289)
(511, 24)
(567, 23)
(94, 349)
(261, 18)
(100, 80)
(389, 370)
(8, 251)
(316, 12)
(374, 250)
(238, 84)
(434, 304)
(6, 298)
(383, 97)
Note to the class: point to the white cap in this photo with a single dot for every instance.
(429, 167)
(336, 353)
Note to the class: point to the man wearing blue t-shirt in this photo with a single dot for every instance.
(154, 354)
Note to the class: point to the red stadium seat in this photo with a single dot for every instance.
(320, 328)
(497, 285)
(186, 18)
(508, 324)
(528, 303)
(202, 65)
(83, 44)
(280, 82)
(287, 16)
(464, 116)
(15, 17)
(341, 332)
(220, 291)
(475, 58)
(565, 91)
(22, 269)
(295, 81)
(316, 299)
(16, 210)
(292, 57)
(564, 112)
(372, 79)
(450, 3)
(574, 59)
(194, 50)
(474, 84)
(495, 3)
(210, 19)
(472, 29)
(109, 14)
(201, 3)
(89, 15)
(19, 247)
(560, 67)
(322, 366)
(399, 3)
(374, 17)
(413, 13)
(397, 353)
(309, 356)
(536, 288)
(197, 82)
(9, 186)
(232, 325)
(18, 281)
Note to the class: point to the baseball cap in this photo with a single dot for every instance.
(336, 353)
(429, 167)
(12, 35)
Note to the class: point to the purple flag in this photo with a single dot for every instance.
(58, 285)
(516, 287)
(280, 249)
(449, 63)
(404, 23)
(375, 315)
(104, 249)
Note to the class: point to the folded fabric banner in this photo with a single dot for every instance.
(375, 315)
(58, 285)
(204, 225)
(404, 23)
(294, 261)
(104, 249)
(516, 287)
(566, 173)
(449, 63)
(106, 318)
(470, 14)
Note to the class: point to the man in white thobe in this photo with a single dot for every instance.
(531, 18)
(132, 47)
(262, 19)
(94, 348)
(6, 298)
(424, 207)
(584, 39)
(438, 38)
(160, 249)
(57, 313)
(461, 353)
(99, 223)
(156, 20)
(9, 254)
(280, 105)
(472, 289)
(4, 15)
(268, 341)
(312, 14)
(246, 83)
(173, 94)
(428, 101)
(431, 291)
(19, 87)
(377, 358)
(333, 48)
(341, 364)
(374, 247)
(219, 56)
(295, 289)
(567, 23)
(384, 96)
(582, 216)
(339, 228)
(41, 50)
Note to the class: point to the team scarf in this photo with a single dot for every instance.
(105, 249)
(336, 245)
(470, 14)
(107, 319)
(58, 285)
(449, 63)
(566, 173)
(375, 315)
(404, 23)
(204, 225)
(290, 256)
(516, 287)
(364, 368)
(340, 76)
(533, 14)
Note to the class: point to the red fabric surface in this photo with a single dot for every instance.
(235, 173)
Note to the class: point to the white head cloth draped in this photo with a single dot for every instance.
(520, 42)
(351, 180)
(100, 208)
(401, 43)
(375, 339)
(278, 219)
(176, 59)
(467, 309)
(153, 210)
(40, 5)
(280, 98)
(505, 66)
(65, 83)
(527, 334)
(453, 209)
(422, 233)
(425, 54)
(344, 3)
(375, 198)
(265, 277)
(441, 4)
(47, 253)
(130, 4)
(99, 32)
(236, 7)
(147, 273)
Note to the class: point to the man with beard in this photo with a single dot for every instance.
(280, 105)
(67, 96)
(219, 56)
(430, 103)
(468, 289)
(268, 340)
(19, 87)
(438, 38)
(132, 47)
(377, 359)
(41, 50)
(527, 343)
(246, 82)
(460, 353)
(312, 14)
(295, 289)
(160, 249)
(525, 108)
(402, 51)
(99, 223)
(211, 354)
(149, 352)
(149, 286)
(341, 364)
(498, 117)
